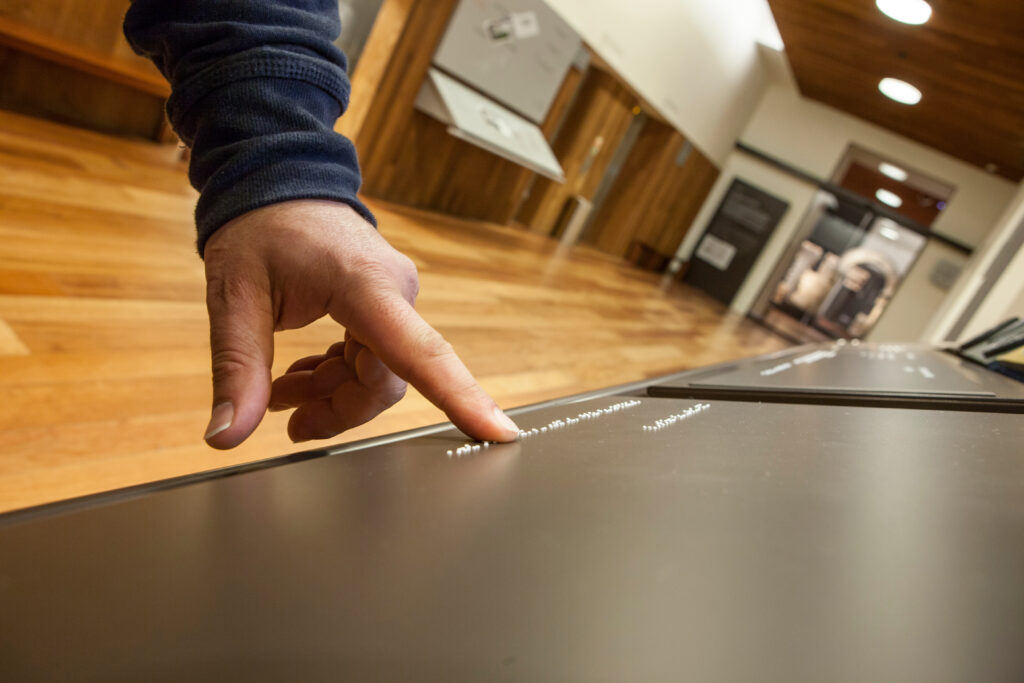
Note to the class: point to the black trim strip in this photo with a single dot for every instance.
(780, 164)
(880, 209)
(952, 243)
(961, 404)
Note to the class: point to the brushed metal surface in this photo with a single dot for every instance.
(743, 542)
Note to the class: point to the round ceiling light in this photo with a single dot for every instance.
(893, 171)
(898, 90)
(907, 11)
(890, 198)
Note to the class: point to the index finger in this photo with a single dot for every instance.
(416, 352)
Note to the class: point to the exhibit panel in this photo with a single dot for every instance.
(619, 538)
(734, 239)
(515, 51)
(855, 373)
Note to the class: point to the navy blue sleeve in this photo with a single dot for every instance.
(256, 89)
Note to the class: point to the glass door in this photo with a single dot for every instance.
(839, 279)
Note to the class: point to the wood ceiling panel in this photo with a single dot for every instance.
(968, 61)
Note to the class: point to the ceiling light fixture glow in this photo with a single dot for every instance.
(889, 233)
(898, 90)
(906, 11)
(889, 198)
(894, 172)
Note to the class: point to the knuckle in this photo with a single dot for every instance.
(367, 276)
(410, 279)
(435, 347)
(408, 268)
(222, 289)
(397, 272)
(231, 362)
(391, 395)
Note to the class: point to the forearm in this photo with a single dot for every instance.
(257, 87)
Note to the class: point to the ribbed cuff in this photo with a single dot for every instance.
(255, 64)
(260, 141)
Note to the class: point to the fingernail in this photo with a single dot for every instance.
(505, 421)
(220, 419)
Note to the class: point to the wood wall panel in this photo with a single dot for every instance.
(603, 110)
(391, 109)
(367, 78)
(94, 24)
(67, 60)
(75, 98)
(654, 200)
(409, 158)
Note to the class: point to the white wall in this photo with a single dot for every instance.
(797, 193)
(917, 300)
(696, 61)
(1006, 297)
(813, 137)
(1004, 301)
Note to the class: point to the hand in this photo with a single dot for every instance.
(286, 265)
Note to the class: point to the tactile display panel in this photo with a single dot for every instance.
(622, 539)
(859, 369)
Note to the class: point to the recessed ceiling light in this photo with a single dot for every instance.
(889, 233)
(894, 172)
(906, 11)
(890, 198)
(898, 90)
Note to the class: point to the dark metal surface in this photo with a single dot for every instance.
(638, 388)
(892, 375)
(744, 542)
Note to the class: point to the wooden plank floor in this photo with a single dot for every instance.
(104, 357)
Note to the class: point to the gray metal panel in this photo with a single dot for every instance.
(744, 542)
(487, 124)
(523, 72)
(861, 368)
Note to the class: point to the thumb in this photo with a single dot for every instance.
(242, 347)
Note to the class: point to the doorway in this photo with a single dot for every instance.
(856, 244)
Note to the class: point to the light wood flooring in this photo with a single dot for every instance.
(104, 359)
